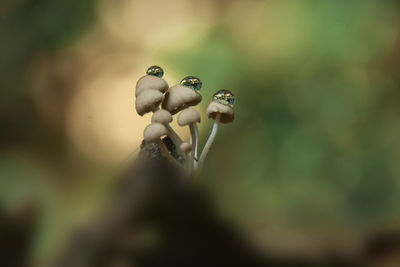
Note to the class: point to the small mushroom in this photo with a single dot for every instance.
(164, 117)
(148, 101)
(220, 110)
(191, 117)
(185, 147)
(182, 95)
(153, 132)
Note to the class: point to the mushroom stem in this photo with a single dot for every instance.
(195, 144)
(174, 136)
(194, 137)
(209, 142)
(166, 153)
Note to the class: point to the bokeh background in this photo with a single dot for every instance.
(314, 149)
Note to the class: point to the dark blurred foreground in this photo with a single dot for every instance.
(158, 218)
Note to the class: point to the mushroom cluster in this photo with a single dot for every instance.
(153, 92)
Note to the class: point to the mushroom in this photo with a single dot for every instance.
(153, 133)
(149, 94)
(190, 117)
(185, 147)
(182, 95)
(148, 101)
(152, 80)
(221, 111)
(164, 117)
(150, 90)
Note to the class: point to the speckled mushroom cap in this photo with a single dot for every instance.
(153, 132)
(151, 82)
(180, 97)
(162, 116)
(188, 116)
(148, 100)
(226, 111)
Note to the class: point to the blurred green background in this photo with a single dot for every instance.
(314, 148)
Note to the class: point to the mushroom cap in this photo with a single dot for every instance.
(227, 114)
(185, 147)
(180, 97)
(153, 132)
(151, 82)
(148, 100)
(188, 116)
(162, 116)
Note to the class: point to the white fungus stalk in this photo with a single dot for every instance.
(194, 140)
(195, 144)
(186, 148)
(209, 142)
(174, 136)
(189, 117)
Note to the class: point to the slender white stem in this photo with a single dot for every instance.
(194, 140)
(209, 142)
(174, 136)
(196, 145)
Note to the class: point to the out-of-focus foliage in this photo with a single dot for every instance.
(317, 111)
(314, 144)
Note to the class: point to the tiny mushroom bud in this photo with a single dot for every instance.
(153, 132)
(162, 116)
(220, 110)
(152, 80)
(186, 147)
(182, 95)
(148, 101)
